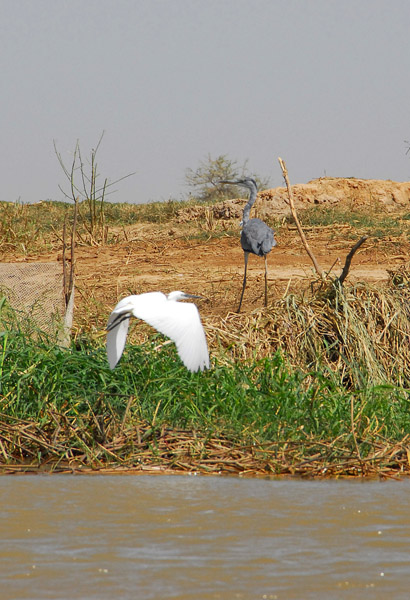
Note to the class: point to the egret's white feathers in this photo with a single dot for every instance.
(116, 339)
(180, 322)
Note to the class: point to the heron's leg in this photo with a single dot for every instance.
(246, 256)
(266, 280)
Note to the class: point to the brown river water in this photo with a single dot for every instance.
(185, 537)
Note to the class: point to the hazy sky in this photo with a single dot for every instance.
(325, 84)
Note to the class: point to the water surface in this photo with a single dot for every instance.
(185, 537)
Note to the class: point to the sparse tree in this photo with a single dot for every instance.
(84, 187)
(205, 180)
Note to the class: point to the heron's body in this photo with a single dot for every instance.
(256, 237)
(180, 322)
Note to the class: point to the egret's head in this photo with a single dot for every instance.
(177, 295)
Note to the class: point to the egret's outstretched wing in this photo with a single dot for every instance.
(116, 339)
(117, 329)
(181, 323)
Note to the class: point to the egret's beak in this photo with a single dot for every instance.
(194, 296)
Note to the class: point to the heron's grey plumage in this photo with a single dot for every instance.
(256, 237)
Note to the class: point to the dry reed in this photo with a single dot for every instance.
(64, 444)
(90, 445)
(352, 330)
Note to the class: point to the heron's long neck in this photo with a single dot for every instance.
(248, 206)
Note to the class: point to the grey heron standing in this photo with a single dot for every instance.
(256, 237)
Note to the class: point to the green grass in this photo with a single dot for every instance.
(260, 402)
(66, 406)
(378, 225)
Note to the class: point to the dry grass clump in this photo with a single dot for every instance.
(26, 228)
(97, 443)
(361, 332)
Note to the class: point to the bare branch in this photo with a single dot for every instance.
(65, 193)
(84, 177)
(107, 185)
(318, 270)
(349, 258)
(68, 173)
(68, 286)
(60, 160)
(83, 186)
(73, 243)
(99, 142)
(65, 263)
(73, 168)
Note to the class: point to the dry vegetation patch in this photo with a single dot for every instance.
(360, 332)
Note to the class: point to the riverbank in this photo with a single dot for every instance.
(64, 410)
(314, 385)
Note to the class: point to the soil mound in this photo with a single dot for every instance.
(392, 195)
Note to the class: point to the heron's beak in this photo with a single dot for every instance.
(237, 182)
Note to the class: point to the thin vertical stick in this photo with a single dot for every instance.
(353, 429)
(65, 293)
(69, 289)
(73, 232)
(298, 225)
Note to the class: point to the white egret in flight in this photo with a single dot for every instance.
(180, 322)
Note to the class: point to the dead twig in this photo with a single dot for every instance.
(352, 423)
(68, 280)
(349, 258)
(318, 270)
